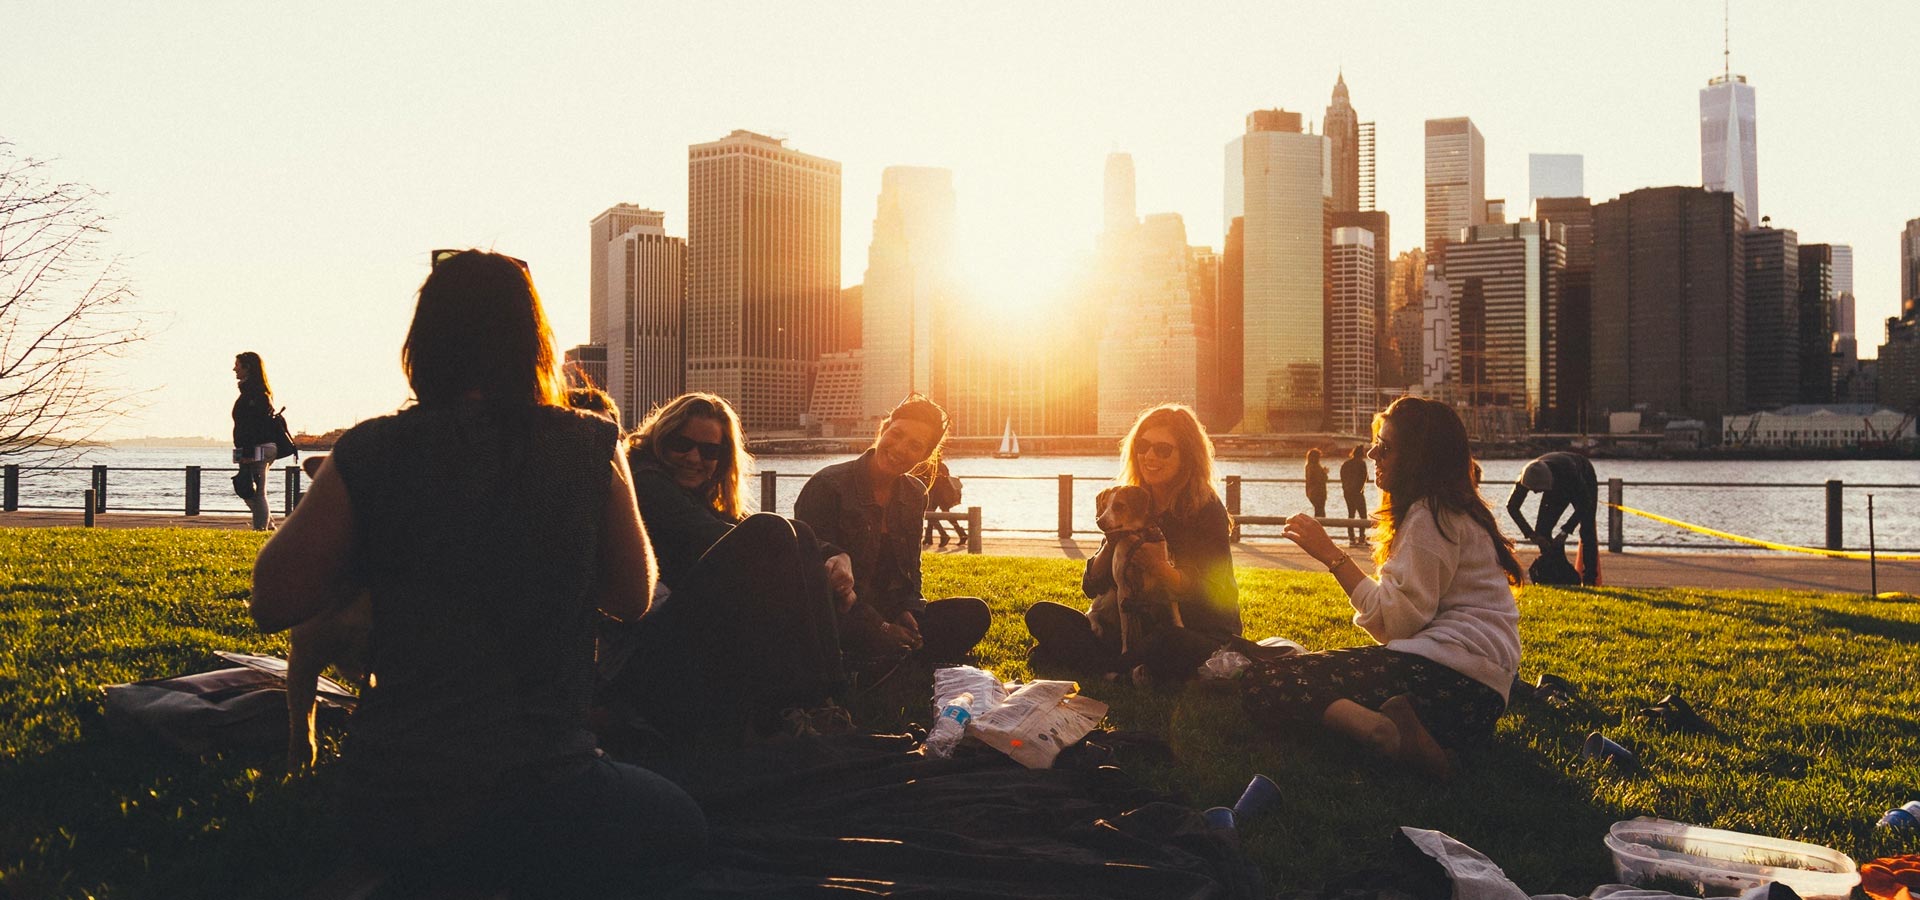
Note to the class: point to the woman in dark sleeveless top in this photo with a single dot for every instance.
(491, 527)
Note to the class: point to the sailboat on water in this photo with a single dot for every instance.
(1009, 443)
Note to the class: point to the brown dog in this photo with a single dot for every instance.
(1139, 604)
(337, 638)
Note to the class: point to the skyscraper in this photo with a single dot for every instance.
(1812, 325)
(1278, 180)
(645, 335)
(1342, 126)
(763, 246)
(1353, 393)
(1555, 175)
(1910, 265)
(1727, 158)
(1436, 331)
(1456, 183)
(1380, 224)
(1573, 302)
(1773, 319)
(1504, 277)
(906, 297)
(1669, 304)
(1119, 192)
(606, 226)
(1406, 290)
(1367, 157)
(1149, 352)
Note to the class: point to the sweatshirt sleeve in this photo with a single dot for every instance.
(1405, 595)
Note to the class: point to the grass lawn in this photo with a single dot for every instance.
(1815, 693)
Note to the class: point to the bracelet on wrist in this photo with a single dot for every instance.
(1344, 559)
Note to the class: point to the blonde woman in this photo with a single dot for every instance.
(1168, 453)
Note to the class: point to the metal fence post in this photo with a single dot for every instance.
(292, 497)
(10, 494)
(1834, 514)
(90, 501)
(973, 529)
(1066, 506)
(1616, 538)
(1233, 508)
(100, 488)
(193, 490)
(769, 491)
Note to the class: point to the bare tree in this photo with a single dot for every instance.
(66, 311)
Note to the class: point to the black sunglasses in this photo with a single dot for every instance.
(440, 256)
(1159, 449)
(680, 443)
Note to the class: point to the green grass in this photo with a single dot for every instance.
(1815, 694)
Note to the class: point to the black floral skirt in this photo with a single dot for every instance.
(1292, 692)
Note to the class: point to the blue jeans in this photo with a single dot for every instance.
(262, 513)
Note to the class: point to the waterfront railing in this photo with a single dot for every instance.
(98, 489)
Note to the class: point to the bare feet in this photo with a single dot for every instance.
(1370, 729)
(1418, 749)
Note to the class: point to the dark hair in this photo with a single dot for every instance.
(1435, 464)
(728, 494)
(917, 408)
(256, 372)
(1356, 451)
(1313, 456)
(596, 401)
(1196, 454)
(479, 328)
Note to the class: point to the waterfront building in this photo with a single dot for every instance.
(645, 334)
(763, 248)
(1897, 370)
(1728, 159)
(836, 407)
(1380, 225)
(1909, 264)
(1353, 395)
(906, 298)
(1507, 318)
(1230, 340)
(1406, 289)
(1278, 181)
(1342, 127)
(1773, 317)
(1436, 334)
(1669, 304)
(1555, 175)
(1812, 325)
(1818, 425)
(1203, 287)
(611, 223)
(1456, 193)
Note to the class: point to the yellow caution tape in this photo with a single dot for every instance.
(1816, 551)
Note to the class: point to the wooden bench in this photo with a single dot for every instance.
(970, 519)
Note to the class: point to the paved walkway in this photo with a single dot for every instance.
(1790, 571)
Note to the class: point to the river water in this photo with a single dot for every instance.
(1775, 500)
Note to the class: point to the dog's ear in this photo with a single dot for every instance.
(1101, 500)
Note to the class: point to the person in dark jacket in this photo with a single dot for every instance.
(745, 627)
(943, 494)
(1316, 483)
(1563, 480)
(873, 509)
(1353, 484)
(254, 435)
(1168, 453)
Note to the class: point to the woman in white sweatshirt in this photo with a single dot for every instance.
(1441, 608)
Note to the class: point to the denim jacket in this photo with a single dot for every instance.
(884, 543)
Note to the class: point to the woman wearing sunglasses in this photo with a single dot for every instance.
(745, 625)
(1169, 454)
(1440, 607)
(872, 507)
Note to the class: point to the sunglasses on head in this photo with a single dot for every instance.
(440, 256)
(680, 443)
(1157, 449)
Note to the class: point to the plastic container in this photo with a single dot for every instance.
(950, 727)
(1905, 816)
(1717, 863)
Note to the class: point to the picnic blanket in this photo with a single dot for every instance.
(857, 814)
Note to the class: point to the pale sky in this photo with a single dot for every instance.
(278, 172)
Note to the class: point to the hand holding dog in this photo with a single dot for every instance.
(1305, 532)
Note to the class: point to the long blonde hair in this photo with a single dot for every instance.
(1196, 455)
(728, 493)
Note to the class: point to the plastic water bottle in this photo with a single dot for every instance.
(950, 727)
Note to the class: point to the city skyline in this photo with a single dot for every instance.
(259, 173)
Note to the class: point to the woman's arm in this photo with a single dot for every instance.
(1097, 579)
(624, 585)
(819, 506)
(304, 570)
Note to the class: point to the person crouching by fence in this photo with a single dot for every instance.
(1441, 608)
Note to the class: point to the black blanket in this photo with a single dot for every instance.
(862, 815)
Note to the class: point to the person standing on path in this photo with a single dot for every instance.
(254, 435)
(1316, 484)
(1562, 480)
(1353, 483)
